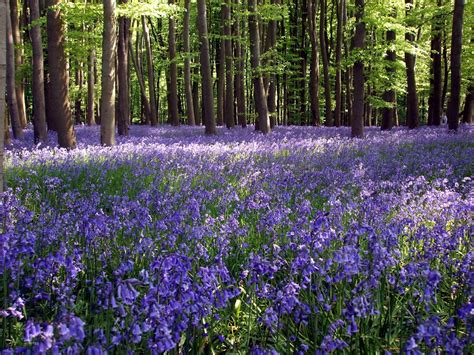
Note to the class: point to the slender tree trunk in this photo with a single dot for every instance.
(338, 84)
(325, 59)
(39, 110)
(446, 69)
(389, 95)
(141, 81)
(347, 75)
(90, 114)
(269, 79)
(436, 89)
(3, 74)
(123, 117)
(220, 58)
(107, 98)
(259, 93)
(19, 88)
(11, 92)
(196, 102)
(357, 123)
(151, 71)
(304, 60)
(314, 65)
(173, 94)
(468, 113)
(239, 74)
(229, 68)
(207, 96)
(456, 51)
(187, 66)
(412, 98)
(78, 102)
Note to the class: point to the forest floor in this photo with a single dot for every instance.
(298, 241)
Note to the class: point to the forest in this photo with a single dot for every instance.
(244, 177)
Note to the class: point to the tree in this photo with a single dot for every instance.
(58, 95)
(412, 98)
(357, 123)
(229, 68)
(239, 73)
(3, 73)
(325, 59)
(436, 81)
(11, 92)
(90, 112)
(39, 110)
(468, 113)
(187, 66)
(456, 50)
(338, 84)
(107, 98)
(259, 93)
(18, 54)
(389, 95)
(173, 72)
(151, 71)
(314, 64)
(207, 97)
(123, 118)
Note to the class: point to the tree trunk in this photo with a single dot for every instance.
(314, 65)
(90, 114)
(436, 89)
(412, 99)
(229, 69)
(150, 69)
(197, 114)
(239, 75)
(141, 82)
(220, 59)
(260, 99)
(3, 73)
(389, 95)
(78, 102)
(338, 84)
(187, 66)
(19, 88)
(173, 93)
(468, 113)
(123, 119)
(456, 50)
(39, 110)
(107, 98)
(61, 116)
(207, 96)
(304, 60)
(325, 59)
(357, 123)
(11, 92)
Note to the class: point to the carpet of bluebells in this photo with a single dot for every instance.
(302, 241)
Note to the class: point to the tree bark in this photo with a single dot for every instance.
(259, 93)
(220, 59)
(19, 87)
(239, 75)
(11, 92)
(207, 96)
(151, 71)
(456, 50)
(123, 119)
(173, 94)
(357, 123)
(436, 82)
(107, 98)
(468, 113)
(325, 59)
(229, 69)
(187, 66)
(314, 65)
(141, 82)
(90, 114)
(338, 84)
(412, 98)
(389, 96)
(39, 110)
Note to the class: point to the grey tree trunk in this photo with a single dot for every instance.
(11, 92)
(151, 71)
(229, 69)
(357, 122)
(456, 50)
(389, 96)
(325, 59)
(436, 82)
(173, 93)
(107, 98)
(90, 113)
(259, 93)
(314, 64)
(338, 83)
(187, 66)
(412, 98)
(39, 108)
(123, 119)
(239, 74)
(207, 96)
